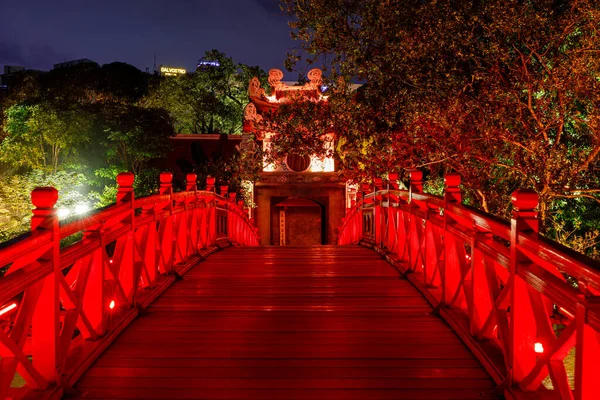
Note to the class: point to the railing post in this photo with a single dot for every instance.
(211, 214)
(416, 183)
(393, 180)
(379, 211)
(210, 183)
(190, 182)
(193, 214)
(45, 327)
(224, 190)
(125, 252)
(167, 232)
(413, 235)
(587, 349)
(166, 183)
(522, 356)
(450, 271)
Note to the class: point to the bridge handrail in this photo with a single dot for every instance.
(128, 251)
(575, 264)
(500, 284)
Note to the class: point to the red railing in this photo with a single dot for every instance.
(61, 306)
(526, 306)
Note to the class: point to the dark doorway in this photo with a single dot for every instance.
(298, 221)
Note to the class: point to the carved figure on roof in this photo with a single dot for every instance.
(251, 114)
(315, 77)
(254, 89)
(275, 77)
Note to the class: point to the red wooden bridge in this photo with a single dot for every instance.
(440, 302)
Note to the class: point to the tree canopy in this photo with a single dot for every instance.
(87, 123)
(504, 92)
(210, 100)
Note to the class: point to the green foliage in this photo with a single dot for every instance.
(42, 136)
(15, 197)
(77, 128)
(207, 101)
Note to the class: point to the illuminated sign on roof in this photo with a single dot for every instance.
(171, 71)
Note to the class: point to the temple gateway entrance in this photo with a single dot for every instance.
(298, 221)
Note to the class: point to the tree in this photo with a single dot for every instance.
(135, 136)
(42, 137)
(82, 121)
(505, 93)
(210, 100)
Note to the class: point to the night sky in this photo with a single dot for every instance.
(39, 33)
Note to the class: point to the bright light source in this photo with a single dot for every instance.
(63, 212)
(538, 348)
(112, 304)
(325, 164)
(6, 309)
(110, 261)
(82, 208)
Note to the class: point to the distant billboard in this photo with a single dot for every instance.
(172, 71)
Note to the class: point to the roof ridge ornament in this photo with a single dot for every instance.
(315, 76)
(254, 89)
(275, 77)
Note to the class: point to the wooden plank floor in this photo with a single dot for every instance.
(288, 323)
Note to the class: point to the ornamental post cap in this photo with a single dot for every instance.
(125, 179)
(166, 177)
(191, 177)
(210, 180)
(524, 200)
(393, 176)
(452, 179)
(416, 175)
(44, 197)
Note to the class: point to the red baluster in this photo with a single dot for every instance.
(416, 181)
(167, 233)
(224, 190)
(523, 332)
(45, 328)
(451, 275)
(190, 182)
(124, 256)
(192, 214)
(393, 180)
(210, 183)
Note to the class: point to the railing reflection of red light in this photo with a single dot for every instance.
(538, 348)
(8, 308)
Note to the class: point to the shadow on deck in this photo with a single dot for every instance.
(288, 323)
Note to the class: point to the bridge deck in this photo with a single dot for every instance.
(288, 323)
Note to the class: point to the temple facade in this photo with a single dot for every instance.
(300, 200)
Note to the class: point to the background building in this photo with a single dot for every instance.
(72, 63)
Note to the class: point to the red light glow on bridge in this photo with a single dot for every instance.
(8, 308)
